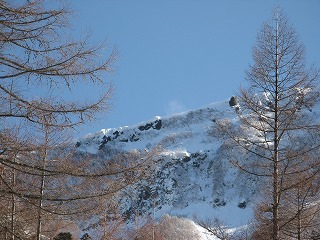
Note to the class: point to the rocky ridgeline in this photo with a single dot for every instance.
(193, 169)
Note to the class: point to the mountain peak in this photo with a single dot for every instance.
(194, 176)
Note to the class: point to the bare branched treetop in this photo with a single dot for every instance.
(36, 56)
(279, 68)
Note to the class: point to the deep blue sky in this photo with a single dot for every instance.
(177, 55)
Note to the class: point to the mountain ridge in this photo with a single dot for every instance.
(194, 176)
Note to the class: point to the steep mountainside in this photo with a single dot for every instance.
(194, 176)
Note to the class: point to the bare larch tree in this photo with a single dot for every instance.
(41, 176)
(279, 129)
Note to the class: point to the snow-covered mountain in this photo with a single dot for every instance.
(194, 176)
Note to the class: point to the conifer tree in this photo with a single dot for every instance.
(280, 131)
(41, 175)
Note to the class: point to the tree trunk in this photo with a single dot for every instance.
(42, 183)
(276, 146)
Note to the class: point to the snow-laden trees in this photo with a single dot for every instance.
(280, 132)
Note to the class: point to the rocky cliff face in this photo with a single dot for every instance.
(193, 173)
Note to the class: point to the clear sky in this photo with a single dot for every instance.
(177, 55)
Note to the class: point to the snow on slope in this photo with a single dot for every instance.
(194, 176)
